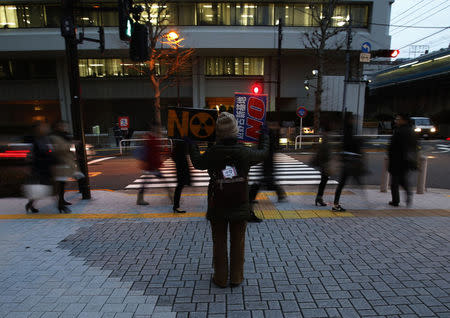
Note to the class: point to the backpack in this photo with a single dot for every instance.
(228, 188)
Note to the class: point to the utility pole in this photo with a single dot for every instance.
(280, 42)
(68, 31)
(347, 67)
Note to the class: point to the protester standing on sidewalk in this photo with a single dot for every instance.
(228, 164)
(65, 165)
(42, 161)
(183, 173)
(322, 161)
(352, 161)
(268, 180)
(402, 154)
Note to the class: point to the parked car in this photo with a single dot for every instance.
(423, 127)
(308, 130)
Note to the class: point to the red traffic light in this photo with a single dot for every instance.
(395, 53)
(256, 88)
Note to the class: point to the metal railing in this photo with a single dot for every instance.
(299, 141)
(168, 144)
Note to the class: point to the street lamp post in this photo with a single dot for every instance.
(173, 37)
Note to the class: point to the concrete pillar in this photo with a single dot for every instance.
(198, 83)
(64, 91)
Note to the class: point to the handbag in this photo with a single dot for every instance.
(37, 191)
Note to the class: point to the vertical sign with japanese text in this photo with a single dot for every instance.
(250, 113)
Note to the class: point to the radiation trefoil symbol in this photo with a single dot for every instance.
(202, 125)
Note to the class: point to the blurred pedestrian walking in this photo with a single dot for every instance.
(118, 134)
(40, 182)
(150, 160)
(65, 164)
(179, 153)
(228, 164)
(322, 161)
(352, 161)
(402, 153)
(268, 180)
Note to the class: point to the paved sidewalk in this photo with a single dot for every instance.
(110, 258)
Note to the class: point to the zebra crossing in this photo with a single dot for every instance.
(288, 171)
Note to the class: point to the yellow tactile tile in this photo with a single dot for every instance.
(307, 214)
(289, 214)
(271, 214)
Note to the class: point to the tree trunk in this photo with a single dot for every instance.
(157, 105)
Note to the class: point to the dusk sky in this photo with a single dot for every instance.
(429, 13)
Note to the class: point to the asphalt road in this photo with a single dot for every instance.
(117, 173)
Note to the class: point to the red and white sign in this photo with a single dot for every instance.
(301, 112)
(124, 122)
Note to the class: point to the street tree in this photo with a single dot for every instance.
(167, 57)
(323, 16)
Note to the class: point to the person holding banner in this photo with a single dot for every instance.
(228, 163)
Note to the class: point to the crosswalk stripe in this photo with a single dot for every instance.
(287, 171)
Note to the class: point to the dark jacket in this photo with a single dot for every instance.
(323, 156)
(179, 157)
(215, 159)
(402, 151)
(42, 161)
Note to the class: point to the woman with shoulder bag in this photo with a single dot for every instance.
(65, 166)
(228, 164)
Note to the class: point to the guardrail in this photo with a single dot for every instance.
(298, 139)
(169, 143)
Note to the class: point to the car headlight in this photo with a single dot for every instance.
(283, 141)
(433, 129)
(417, 129)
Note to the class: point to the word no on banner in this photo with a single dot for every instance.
(250, 113)
(197, 124)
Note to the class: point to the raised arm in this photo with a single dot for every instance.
(258, 154)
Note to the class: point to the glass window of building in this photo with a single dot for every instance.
(113, 68)
(30, 16)
(234, 66)
(265, 14)
(186, 14)
(52, 16)
(360, 15)
(5, 70)
(246, 14)
(109, 14)
(42, 69)
(8, 17)
(285, 12)
(159, 14)
(215, 13)
(341, 16)
(89, 16)
(303, 15)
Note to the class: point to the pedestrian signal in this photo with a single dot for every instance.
(125, 22)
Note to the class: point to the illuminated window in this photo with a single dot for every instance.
(8, 17)
(234, 66)
(114, 68)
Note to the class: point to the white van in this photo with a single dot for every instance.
(423, 126)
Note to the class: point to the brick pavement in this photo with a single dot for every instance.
(302, 261)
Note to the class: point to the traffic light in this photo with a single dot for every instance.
(257, 88)
(139, 43)
(125, 22)
(386, 53)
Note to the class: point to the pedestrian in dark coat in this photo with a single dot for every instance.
(268, 180)
(42, 160)
(322, 161)
(183, 172)
(402, 154)
(228, 164)
(352, 161)
(118, 134)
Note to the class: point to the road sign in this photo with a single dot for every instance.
(301, 112)
(364, 57)
(124, 122)
(366, 47)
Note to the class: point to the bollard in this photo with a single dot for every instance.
(422, 175)
(385, 176)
